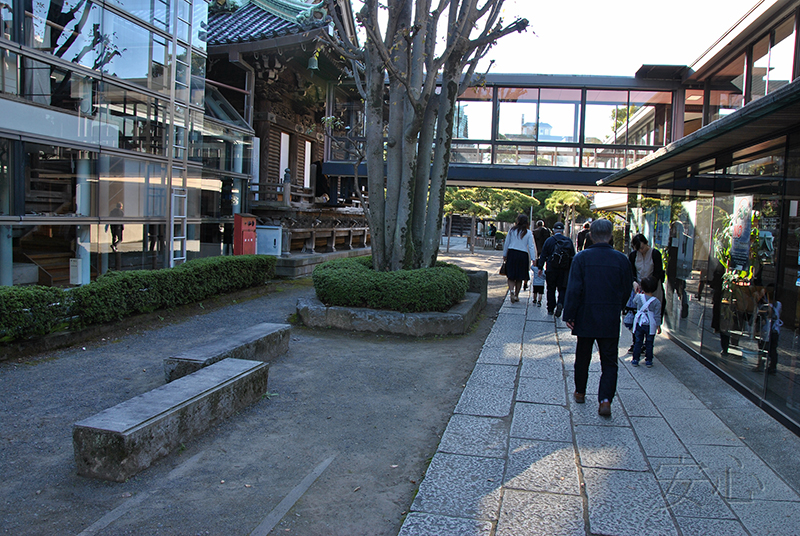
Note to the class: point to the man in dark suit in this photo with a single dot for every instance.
(599, 285)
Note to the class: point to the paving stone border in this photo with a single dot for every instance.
(455, 321)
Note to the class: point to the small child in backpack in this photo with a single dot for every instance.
(647, 321)
(537, 286)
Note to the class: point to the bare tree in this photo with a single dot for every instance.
(409, 132)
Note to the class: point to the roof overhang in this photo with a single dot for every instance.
(769, 117)
(264, 45)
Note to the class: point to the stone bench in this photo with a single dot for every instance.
(258, 343)
(121, 441)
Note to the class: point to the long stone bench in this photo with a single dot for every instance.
(121, 441)
(261, 342)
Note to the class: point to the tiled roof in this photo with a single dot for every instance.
(251, 23)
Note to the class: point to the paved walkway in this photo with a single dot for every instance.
(682, 454)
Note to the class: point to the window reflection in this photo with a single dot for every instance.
(139, 120)
(607, 117)
(59, 181)
(471, 153)
(517, 114)
(68, 29)
(140, 186)
(156, 12)
(473, 115)
(559, 115)
(134, 54)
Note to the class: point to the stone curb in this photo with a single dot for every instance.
(455, 321)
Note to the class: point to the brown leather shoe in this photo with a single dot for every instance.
(604, 409)
(580, 398)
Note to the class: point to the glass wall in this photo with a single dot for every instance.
(730, 256)
(567, 127)
(473, 117)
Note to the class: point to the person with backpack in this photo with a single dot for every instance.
(556, 255)
(647, 322)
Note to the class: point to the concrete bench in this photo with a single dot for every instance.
(261, 342)
(121, 441)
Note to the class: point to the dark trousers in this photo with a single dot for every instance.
(608, 363)
(555, 279)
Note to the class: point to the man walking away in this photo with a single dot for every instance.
(540, 234)
(556, 253)
(599, 286)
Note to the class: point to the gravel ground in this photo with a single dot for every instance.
(361, 412)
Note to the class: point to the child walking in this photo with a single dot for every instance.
(537, 286)
(647, 321)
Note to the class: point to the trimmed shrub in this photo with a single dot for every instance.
(27, 312)
(353, 283)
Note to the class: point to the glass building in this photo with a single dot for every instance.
(722, 203)
(109, 157)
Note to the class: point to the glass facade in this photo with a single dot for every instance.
(565, 127)
(100, 130)
(732, 271)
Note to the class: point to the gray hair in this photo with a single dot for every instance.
(601, 230)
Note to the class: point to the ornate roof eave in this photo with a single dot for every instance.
(276, 43)
(294, 10)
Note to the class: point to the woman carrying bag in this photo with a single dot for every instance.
(519, 254)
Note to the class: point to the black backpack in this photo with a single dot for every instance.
(562, 255)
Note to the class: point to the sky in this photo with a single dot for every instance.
(611, 38)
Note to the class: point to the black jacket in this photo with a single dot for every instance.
(599, 286)
(658, 265)
(549, 248)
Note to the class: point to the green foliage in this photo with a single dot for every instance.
(27, 312)
(353, 283)
(509, 216)
(30, 311)
(499, 236)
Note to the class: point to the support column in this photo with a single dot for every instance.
(6, 257)
(83, 232)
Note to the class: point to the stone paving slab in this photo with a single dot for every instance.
(609, 447)
(475, 436)
(485, 400)
(696, 498)
(501, 355)
(763, 518)
(637, 403)
(541, 422)
(495, 375)
(546, 466)
(587, 413)
(657, 438)
(541, 391)
(739, 474)
(421, 524)
(626, 503)
(712, 432)
(692, 526)
(461, 486)
(541, 367)
(526, 513)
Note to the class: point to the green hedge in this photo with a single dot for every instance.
(27, 312)
(353, 283)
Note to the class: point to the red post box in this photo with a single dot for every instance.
(244, 234)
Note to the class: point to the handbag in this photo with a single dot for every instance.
(630, 311)
(503, 268)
